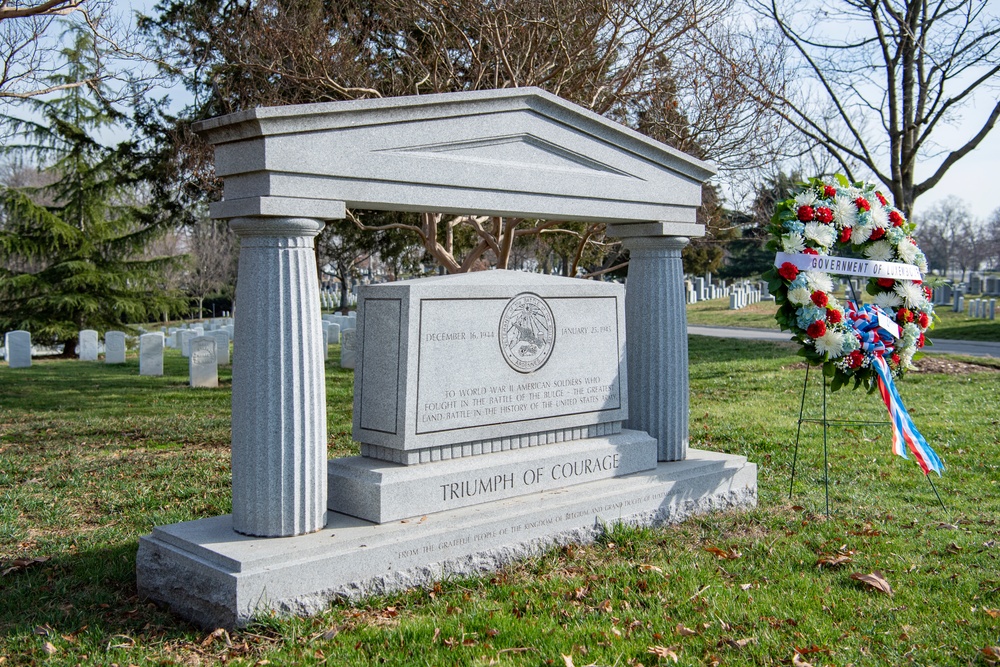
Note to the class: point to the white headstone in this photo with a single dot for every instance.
(334, 331)
(88, 345)
(326, 344)
(203, 363)
(185, 337)
(114, 347)
(151, 354)
(221, 337)
(18, 346)
(347, 345)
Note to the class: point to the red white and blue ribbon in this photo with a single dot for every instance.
(876, 341)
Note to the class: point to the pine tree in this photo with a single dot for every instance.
(71, 253)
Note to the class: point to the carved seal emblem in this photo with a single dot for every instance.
(527, 332)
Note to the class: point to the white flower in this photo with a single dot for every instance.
(831, 343)
(845, 213)
(887, 300)
(912, 295)
(799, 296)
(819, 281)
(879, 217)
(907, 251)
(806, 198)
(861, 234)
(793, 243)
(880, 251)
(820, 233)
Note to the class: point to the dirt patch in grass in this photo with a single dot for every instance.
(931, 364)
(936, 364)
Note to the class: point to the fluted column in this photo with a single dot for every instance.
(279, 389)
(656, 331)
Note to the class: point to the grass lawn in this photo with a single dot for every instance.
(93, 456)
(950, 325)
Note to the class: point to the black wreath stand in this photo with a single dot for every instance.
(826, 422)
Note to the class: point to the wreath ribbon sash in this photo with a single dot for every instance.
(877, 340)
(850, 266)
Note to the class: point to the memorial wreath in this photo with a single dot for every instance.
(853, 229)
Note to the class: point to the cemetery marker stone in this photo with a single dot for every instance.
(114, 347)
(18, 347)
(203, 362)
(151, 354)
(88, 345)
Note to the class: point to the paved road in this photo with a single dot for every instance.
(941, 345)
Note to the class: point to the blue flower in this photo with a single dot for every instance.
(851, 343)
(794, 226)
(808, 314)
(800, 281)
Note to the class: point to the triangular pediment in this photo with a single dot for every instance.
(520, 152)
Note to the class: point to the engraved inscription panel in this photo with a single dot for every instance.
(465, 380)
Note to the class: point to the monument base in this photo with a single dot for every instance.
(381, 492)
(215, 577)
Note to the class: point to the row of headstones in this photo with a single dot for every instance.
(982, 309)
(340, 329)
(331, 300)
(988, 285)
(742, 297)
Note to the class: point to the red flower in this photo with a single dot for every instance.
(862, 204)
(894, 358)
(855, 358)
(886, 282)
(923, 320)
(816, 329)
(809, 251)
(820, 299)
(824, 215)
(788, 271)
(845, 235)
(881, 199)
(877, 233)
(903, 316)
(920, 341)
(829, 191)
(928, 292)
(833, 316)
(806, 213)
(896, 218)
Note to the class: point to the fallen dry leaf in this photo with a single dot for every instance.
(953, 548)
(605, 606)
(737, 643)
(684, 631)
(21, 564)
(799, 661)
(732, 554)
(873, 580)
(834, 560)
(662, 652)
(49, 648)
(995, 613)
(992, 654)
(568, 660)
(649, 568)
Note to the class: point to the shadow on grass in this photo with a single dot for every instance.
(82, 598)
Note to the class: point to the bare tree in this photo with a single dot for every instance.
(950, 235)
(877, 79)
(641, 62)
(212, 250)
(30, 50)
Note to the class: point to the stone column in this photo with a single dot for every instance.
(656, 334)
(279, 456)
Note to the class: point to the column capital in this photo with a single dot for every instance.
(287, 227)
(653, 243)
